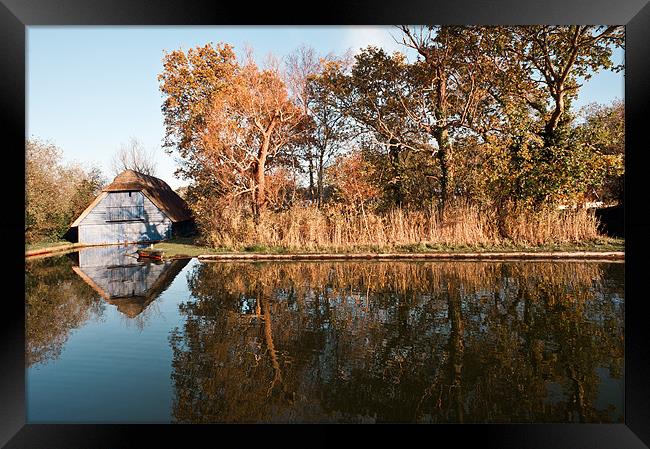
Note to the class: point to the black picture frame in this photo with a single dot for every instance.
(16, 15)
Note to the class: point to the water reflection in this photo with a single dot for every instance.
(123, 280)
(401, 341)
(56, 301)
(323, 341)
(63, 293)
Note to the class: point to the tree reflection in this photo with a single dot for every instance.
(400, 341)
(56, 302)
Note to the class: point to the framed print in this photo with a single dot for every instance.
(252, 215)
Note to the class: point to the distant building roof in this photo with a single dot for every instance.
(157, 190)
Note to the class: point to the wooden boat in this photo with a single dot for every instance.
(150, 254)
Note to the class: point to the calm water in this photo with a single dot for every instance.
(111, 339)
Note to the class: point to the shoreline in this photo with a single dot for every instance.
(606, 255)
(54, 250)
(62, 249)
(517, 255)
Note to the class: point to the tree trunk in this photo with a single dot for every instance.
(259, 195)
(312, 193)
(321, 172)
(394, 152)
(260, 180)
(445, 161)
(554, 120)
(502, 215)
(293, 182)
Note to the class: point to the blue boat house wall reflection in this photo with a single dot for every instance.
(124, 281)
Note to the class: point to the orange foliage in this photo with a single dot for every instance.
(352, 176)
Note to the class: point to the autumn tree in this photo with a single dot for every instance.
(230, 122)
(189, 81)
(352, 178)
(42, 217)
(251, 122)
(480, 114)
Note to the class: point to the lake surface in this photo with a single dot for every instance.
(113, 339)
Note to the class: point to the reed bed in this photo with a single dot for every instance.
(309, 228)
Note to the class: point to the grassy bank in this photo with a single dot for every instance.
(45, 244)
(190, 247)
(46, 249)
(185, 247)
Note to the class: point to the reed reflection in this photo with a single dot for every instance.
(401, 341)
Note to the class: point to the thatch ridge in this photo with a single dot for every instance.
(157, 190)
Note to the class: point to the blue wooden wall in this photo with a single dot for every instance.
(95, 228)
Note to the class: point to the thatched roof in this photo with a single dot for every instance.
(157, 190)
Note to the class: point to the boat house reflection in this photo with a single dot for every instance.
(124, 281)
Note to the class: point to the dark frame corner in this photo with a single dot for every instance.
(16, 15)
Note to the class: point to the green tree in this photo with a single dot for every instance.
(537, 155)
(603, 132)
(371, 93)
(452, 78)
(556, 57)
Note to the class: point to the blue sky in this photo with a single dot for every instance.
(89, 89)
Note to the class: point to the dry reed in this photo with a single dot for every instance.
(311, 228)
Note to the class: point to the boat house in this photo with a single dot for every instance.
(133, 208)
